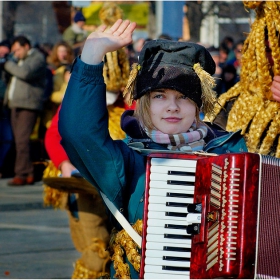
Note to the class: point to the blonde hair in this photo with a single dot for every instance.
(143, 112)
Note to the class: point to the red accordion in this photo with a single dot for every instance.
(211, 216)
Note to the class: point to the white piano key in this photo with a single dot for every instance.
(164, 208)
(156, 230)
(159, 261)
(161, 215)
(163, 185)
(165, 169)
(193, 218)
(164, 199)
(163, 192)
(158, 269)
(159, 245)
(165, 276)
(165, 177)
(162, 223)
(173, 162)
(161, 238)
(160, 254)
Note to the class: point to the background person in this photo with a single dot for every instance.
(25, 97)
(88, 221)
(60, 58)
(75, 34)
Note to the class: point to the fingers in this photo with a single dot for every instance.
(276, 78)
(122, 27)
(276, 97)
(101, 28)
(116, 26)
(130, 28)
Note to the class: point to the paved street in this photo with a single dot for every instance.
(35, 240)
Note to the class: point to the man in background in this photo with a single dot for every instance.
(24, 96)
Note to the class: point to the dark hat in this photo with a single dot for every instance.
(79, 17)
(169, 64)
(5, 43)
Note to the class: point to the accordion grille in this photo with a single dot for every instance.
(268, 260)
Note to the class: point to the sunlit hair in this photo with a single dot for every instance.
(53, 58)
(142, 111)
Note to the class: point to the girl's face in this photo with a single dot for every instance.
(62, 53)
(171, 112)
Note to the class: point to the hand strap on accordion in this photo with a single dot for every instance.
(122, 220)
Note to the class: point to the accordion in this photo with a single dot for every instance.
(211, 216)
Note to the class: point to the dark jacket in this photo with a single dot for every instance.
(29, 82)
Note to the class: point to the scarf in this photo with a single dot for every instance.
(186, 141)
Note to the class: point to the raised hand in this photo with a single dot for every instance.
(105, 40)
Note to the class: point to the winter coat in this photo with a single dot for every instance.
(30, 81)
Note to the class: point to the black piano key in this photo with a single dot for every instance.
(178, 259)
(181, 173)
(176, 214)
(175, 226)
(181, 183)
(176, 249)
(177, 236)
(183, 195)
(177, 204)
(175, 268)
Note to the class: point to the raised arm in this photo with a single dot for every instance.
(83, 118)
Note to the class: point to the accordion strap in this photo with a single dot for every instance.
(122, 220)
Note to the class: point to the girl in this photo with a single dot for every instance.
(171, 82)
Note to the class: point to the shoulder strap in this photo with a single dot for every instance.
(122, 220)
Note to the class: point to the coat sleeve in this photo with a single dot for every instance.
(83, 125)
(52, 143)
(32, 67)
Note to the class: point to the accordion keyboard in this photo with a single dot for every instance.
(168, 246)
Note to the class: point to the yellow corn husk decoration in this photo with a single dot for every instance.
(115, 130)
(110, 13)
(80, 269)
(254, 110)
(120, 244)
(52, 197)
(208, 94)
(130, 86)
(81, 272)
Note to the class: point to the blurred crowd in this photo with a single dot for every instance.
(33, 82)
